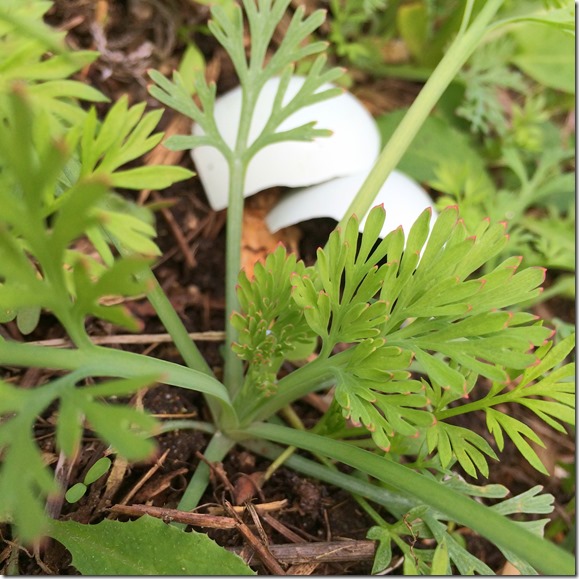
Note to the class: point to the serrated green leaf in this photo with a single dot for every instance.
(146, 546)
(497, 422)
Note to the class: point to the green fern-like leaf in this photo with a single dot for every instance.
(271, 327)
(375, 390)
(253, 72)
(464, 445)
(25, 481)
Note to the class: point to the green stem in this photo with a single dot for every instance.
(314, 376)
(233, 371)
(475, 406)
(216, 451)
(184, 344)
(173, 324)
(172, 425)
(458, 53)
(546, 557)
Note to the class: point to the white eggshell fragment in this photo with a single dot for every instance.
(352, 148)
(404, 200)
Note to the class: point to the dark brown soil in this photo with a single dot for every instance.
(132, 37)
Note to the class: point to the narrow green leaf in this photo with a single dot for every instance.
(98, 469)
(152, 177)
(543, 555)
(441, 561)
(67, 88)
(69, 426)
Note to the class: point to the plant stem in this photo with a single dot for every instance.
(541, 554)
(216, 451)
(477, 405)
(458, 53)
(233, 371)
(313, 376)
(184, 344)
(174, 326)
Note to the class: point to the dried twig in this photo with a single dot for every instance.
(133, 339)
(170, 515)
(261, 550)
(326, 552)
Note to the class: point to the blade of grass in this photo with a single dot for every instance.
(544, 556)
(99, 361)
(457, 54)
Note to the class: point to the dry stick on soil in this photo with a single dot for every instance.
(173, 515)
(331, 552)
(260, 549)
(158, 464)
(177, 233)
(160, 484)
(262, 508)
(280, 527)
(326, 552)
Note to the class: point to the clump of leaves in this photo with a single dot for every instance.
(421, 298)
(58, 166)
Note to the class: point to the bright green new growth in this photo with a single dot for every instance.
(97, 470)
(401, 299)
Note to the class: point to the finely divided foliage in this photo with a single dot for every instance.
(253, 73)
(58, 165)
(416, 298)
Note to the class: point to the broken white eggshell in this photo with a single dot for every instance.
(352, 148)
(404, 200)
